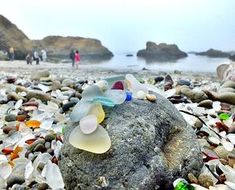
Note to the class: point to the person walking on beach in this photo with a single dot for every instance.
(36, 57)
(44, 55)
(77, 58)
(29, 58)
(72, 56)
(11, 54)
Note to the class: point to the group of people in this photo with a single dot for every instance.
(75, 58)
(35, 56)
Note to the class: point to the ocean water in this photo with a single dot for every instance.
(192, 63)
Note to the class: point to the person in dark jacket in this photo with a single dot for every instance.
(72, 57)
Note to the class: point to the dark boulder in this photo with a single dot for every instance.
(214, 53)
(152, 145)
(161, 52)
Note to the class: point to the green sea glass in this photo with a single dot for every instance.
(104, 101)
(181, 184)
(224, 116)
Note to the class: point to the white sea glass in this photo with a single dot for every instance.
(116, 96)
(88, 124)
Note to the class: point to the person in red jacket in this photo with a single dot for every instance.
(77, 58)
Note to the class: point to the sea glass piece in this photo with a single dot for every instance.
(47, 123)
(80, 110)
(128, 96)
(18, 104)
(141, 95)
(102, 84)
(88, 124)
(97, 142)
(90, 92)
(224, 116)
(104, 101)
(119, 85)
(33, 123)
(111, 80)
(5, 169)
(116, 96)
(97, 110)
(53, 176)
(227, 145)
(135, 85)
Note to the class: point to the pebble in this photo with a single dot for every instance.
(182, 82)
(192, 178)
(10, 117)
(158, 79)
(39, 148)
(50, 137)
(35, 143)
(42, 186)
(205, 180)
(151, 97)
(206, 104)
(17, 176)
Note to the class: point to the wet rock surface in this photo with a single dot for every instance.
(149, 141)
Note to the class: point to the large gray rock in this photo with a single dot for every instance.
(161, 52)
(152, 145)
(214, 53)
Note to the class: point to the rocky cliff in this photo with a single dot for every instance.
(214, 53)
(161, 52)
(58, 47)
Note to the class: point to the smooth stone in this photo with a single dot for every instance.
(50, 137)
(205, 180)
(97, 110)
(151, 97)
(35, 143)
(158, 79)
(10, 117)
(228, 84)
(231, 159)
(39, 74)
(222, 90)
(42, 186)
(14, 96)
(8, 129)
(97, 142)
(227, 97)
(45, 79)
(88, 124)
(198, 124)
(17, 175)
(206, 104)
(182, 82)
(39, 148)
(195, 96)
(74, 99)
(168, 79)
(67, 106)
(38, 95)
(55, 85)
(221, 152)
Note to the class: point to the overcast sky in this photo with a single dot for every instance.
(126, 25)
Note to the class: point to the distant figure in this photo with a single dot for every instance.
(29, 58)
(72, 56)
(77, 58)
(11, 54)
(36, 57)
(44, 55)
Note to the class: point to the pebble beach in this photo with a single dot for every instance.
(36, 102)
